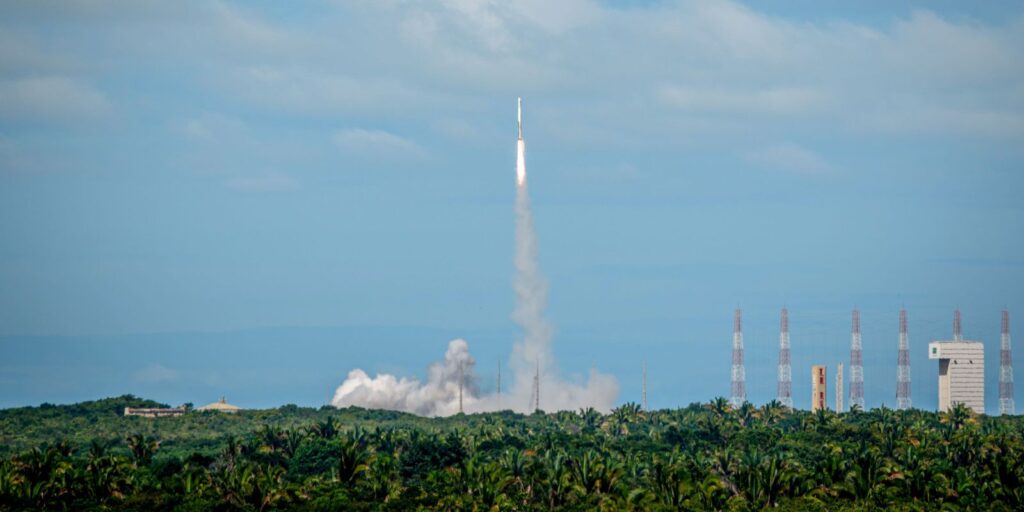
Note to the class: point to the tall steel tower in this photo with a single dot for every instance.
(839, 388)
(903, 366)
(1005, 369)
(785, 391)
(856, 365)
(536, 388)
(739, 375)
(957, 335)
(461, 380)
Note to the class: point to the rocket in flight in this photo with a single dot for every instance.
(519, 117)
(520, 146)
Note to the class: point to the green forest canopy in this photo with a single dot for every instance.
(702, 457)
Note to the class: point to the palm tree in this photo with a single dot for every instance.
(591, 418)
(353, 459)
(746, 414)
(671, 481)
(772, 412)
(142, 449)
(556, 479)
(325, 429)
(958, 416)
(720, 407)
(868, 473)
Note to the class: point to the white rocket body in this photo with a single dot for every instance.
(520, 146)
(519, 117)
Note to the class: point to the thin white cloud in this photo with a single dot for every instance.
(783, 100)
(377, 144)
(155, 374)
(50, 98)
(792, 158)
(718, 59)
(947, 121)
(212, 128)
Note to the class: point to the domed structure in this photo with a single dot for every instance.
(219, 405)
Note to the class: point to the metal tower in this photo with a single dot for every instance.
(839, 388)
(739, 375)
(536, 388)
(461, 378)
(1005, 369)
(856, 365)
(785, 390)
(903, 366)
(957, 336)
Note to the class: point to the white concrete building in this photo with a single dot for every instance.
(961, 373)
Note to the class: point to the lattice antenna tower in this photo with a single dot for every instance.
(957, 334)
(1005, 369)
(903, 366)
(785, 389)
(739, 375)
(460, 387)
(839, 388)
(856, 365)
(536, 387)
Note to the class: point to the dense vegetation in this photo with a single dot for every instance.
(703, 457)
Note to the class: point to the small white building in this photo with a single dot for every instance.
(961, 373)
(152, 412)
(220, 406)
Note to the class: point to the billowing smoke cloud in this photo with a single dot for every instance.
(535, 379)
(438, 396)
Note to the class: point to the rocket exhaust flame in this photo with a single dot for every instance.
(520, 163)
(450, 387)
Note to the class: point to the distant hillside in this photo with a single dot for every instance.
(102, 420)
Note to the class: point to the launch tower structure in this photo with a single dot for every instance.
(839, 388)
(1006, 405)
(739, 376)
(536, 387)
(856, 365)
(785, 390)
(957, 333)
(903, 366)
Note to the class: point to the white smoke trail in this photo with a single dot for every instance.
(531, 355)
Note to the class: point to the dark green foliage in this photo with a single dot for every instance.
(703, 457)
(315, 456)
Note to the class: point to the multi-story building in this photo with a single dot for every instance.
(961, 373)
(818, 388)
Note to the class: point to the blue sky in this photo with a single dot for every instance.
(209, 198)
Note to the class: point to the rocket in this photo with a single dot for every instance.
(520, 146)
(519, 116)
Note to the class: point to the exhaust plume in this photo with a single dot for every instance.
(438, 396)
(535, 377)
